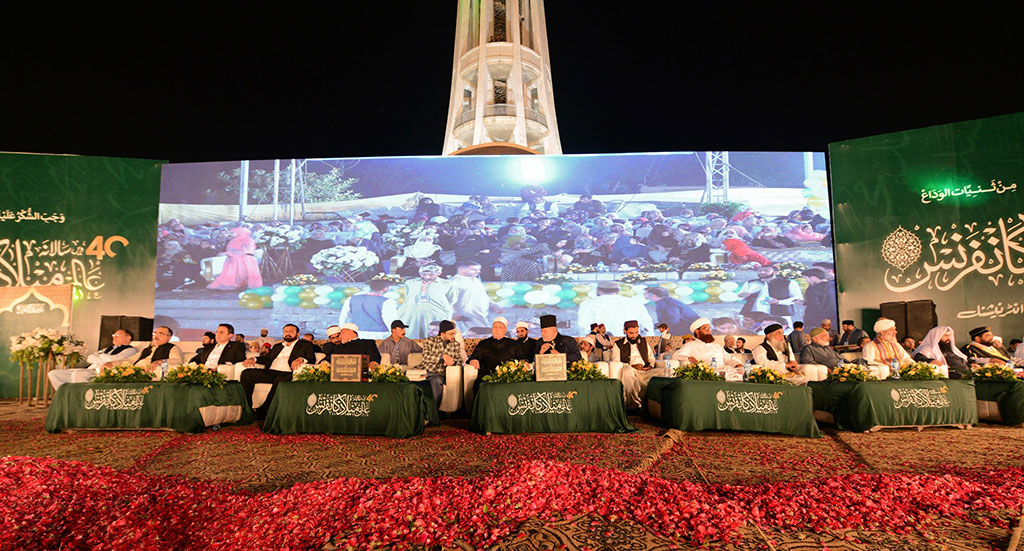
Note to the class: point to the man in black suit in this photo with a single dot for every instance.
(223, 350)
(276, 366)
(345, 340)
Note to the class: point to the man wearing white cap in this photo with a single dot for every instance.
(493, 351)
(526, 343)
(589, 350)
(882, 352)
(427, 299)
(703, 347)
(345, 340)
(471, 305)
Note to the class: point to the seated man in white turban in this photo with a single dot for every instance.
(636, 353)
(885, 351)
(703, 347)
(775, 354)
(937, 348)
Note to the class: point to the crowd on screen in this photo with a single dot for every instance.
(584, 232)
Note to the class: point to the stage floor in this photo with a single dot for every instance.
(251, 461)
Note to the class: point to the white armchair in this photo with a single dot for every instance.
(814, 372)
(452, 398)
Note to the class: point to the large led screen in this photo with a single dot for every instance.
(589, 238)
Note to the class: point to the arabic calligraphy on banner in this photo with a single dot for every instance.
(993, 249)
(994, 310)
(27, 215)
(997, 187)
(28, 262)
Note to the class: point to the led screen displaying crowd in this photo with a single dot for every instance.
(591, 239)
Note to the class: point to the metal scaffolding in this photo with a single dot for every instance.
(716, 168)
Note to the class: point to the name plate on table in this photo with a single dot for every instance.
(549, 367)
(346, 368)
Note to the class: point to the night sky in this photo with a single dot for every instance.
(201, 83)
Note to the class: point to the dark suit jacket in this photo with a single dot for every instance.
(855, 336)
(563, 344)
(363, 347)
(234, 352)
(302, 349)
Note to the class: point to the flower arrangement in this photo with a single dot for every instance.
(703, 267)
(698, 371)
(789, 270)
(123, 373)
(993, 372)
(387, 373)
(720, 275)
(344, 261)
(577, 268)
(196, 374)
(400, 237)
(302, 279)
(919, 371)
(851, 373)
(583, 370)
(33, 346)
(635, 277)
(390, 278)
(659, 267)
(279, 237)
(767, 376)
(314, 373)
(551, 277)
(513, 371)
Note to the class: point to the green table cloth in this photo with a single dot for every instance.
(552, 406)
(156, 405)
(1008, 395)
(718, 405)
(863, 406)
(398, 410)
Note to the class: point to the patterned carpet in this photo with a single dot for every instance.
(249, 460)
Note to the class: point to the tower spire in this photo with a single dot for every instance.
(501, 78)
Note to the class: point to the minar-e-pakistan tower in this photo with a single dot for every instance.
(501, 80)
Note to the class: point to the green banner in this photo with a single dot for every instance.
(934, 213)
(862, 406)
(184, 408)
(555, 406)
(1008, 395)
(86, 221)
(398, 410)
(714, 405)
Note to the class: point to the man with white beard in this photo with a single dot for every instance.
(775, 354)
(471, 305)
(703, 347)
(885, 349)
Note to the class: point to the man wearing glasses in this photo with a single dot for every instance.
(160, 349)
(120, 350)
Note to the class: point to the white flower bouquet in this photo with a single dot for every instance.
(344, 261)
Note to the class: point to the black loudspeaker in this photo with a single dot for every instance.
(141, 327)
(921, 318)
(913, 319)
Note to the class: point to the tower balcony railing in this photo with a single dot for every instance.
(536, 116)
(500, 110)
(464, 117)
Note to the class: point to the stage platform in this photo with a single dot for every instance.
(253, 464)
